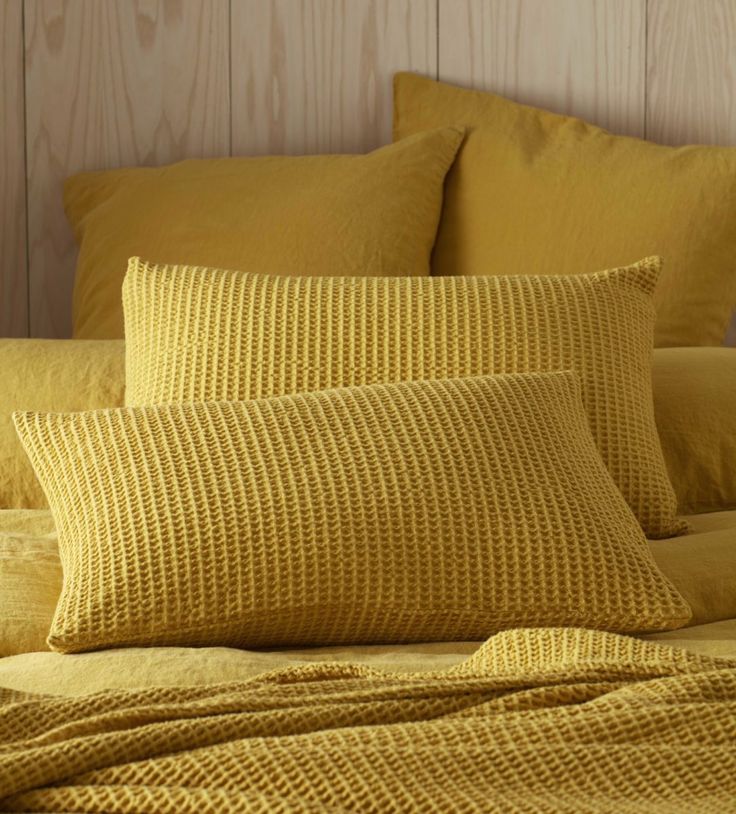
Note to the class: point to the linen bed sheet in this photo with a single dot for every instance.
(48, 672)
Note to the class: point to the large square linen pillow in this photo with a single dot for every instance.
(532, 191)
(203, 334)
(372, 215)
(418, 511)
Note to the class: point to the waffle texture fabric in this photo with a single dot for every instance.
(201, 334)
(422, 511)
(50, 374)
(701, 566)
(374, 215)
(543, 720)
(532, 190)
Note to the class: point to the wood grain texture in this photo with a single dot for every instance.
(314, 75)
(111, 84)
(691, 72)
(581, 57)
(13, 265)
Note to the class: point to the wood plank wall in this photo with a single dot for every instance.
(89, 84)
(13, 261)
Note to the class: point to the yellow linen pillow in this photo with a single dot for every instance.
(372, 215)
(695, 410)
(50, 374)
(532, 191)
(418, 511)
(195, 334)
(30, 580)
(703, 569)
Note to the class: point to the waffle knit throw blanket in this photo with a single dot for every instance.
(542, 720)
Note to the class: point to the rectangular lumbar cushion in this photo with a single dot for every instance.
(419, 511)
(373, 214)
(535, 191)
(203, 334)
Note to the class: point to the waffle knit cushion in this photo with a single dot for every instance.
(534, 190)
(195, 334)
(418, 511)
(374, 214)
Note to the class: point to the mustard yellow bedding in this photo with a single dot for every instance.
(535, 720)
(50, 374)
(695, 409)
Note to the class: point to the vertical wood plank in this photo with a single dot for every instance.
(691, 72)
(315, 75)
(580, 57)
(13, 265)
(111, 84)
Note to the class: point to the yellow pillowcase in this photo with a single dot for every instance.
(418, 511)
(695, 410)
(50, 374)
(702, 567)
(197, 334)
(372, 215)
(532, 191)
(30, 580)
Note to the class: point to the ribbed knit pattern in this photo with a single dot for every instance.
(537, 722)
(194, 333)
(420, 511)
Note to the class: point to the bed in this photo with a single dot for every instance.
(330, 532)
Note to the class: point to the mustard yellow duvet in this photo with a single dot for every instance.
(544, 720)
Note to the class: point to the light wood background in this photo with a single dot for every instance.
(90, 84)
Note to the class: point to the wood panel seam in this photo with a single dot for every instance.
(646, 68)
(25, 171)
(437, 39)
(230, 75)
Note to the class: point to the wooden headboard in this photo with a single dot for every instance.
(88, 84)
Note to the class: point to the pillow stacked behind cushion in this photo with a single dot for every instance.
(431, 510)
(695, 408)
(534, 191)
(204, 334)
(373, 214)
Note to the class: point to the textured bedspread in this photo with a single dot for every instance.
(536, 720)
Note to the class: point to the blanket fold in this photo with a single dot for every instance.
(549, 720)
